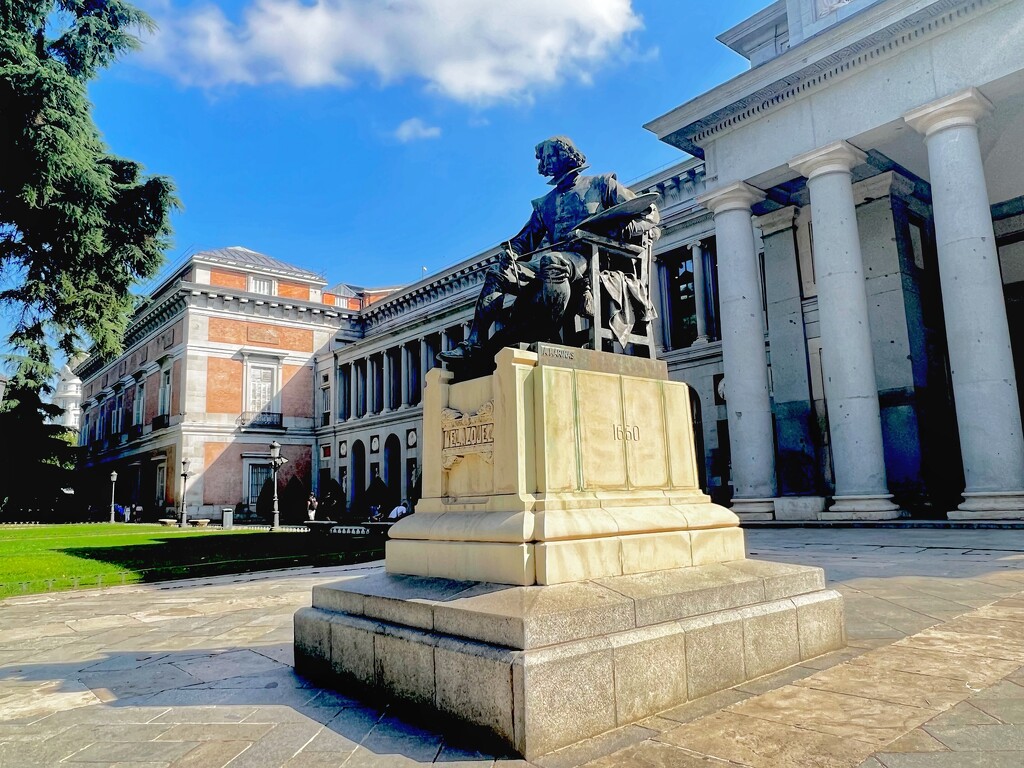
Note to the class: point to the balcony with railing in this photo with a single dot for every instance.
(261, 420)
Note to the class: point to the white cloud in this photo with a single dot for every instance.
(475, 51)
(415, 129)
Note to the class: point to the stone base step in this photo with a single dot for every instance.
(543, 667)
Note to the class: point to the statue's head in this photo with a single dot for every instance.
(558, 155)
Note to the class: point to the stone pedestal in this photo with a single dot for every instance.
(563, 575)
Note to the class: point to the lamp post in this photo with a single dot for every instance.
(276, 462)
(184, 484)
(113, 487)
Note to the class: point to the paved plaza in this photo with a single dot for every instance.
(198, 673)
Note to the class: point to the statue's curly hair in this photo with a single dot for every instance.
(571, 156)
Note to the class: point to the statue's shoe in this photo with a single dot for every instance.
(459, 354)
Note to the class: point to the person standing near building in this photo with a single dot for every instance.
(311, 505)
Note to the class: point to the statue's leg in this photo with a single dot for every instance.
(499, 281)
(559, 272)
(489, 304)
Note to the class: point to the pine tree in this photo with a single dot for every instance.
(36, 455)
(79, 226)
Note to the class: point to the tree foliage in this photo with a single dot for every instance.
(79, 226)
(36, 455)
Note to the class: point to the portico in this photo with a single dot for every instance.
(888, 134)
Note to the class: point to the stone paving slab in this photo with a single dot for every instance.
(198, 673)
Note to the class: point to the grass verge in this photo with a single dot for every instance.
(44, 558)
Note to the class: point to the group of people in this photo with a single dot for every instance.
(402, 509)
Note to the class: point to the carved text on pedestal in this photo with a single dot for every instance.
(463, 434)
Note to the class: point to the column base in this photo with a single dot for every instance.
(994, 505)
(754, 510)
(700, 341)
(799, 508)
(868, 507)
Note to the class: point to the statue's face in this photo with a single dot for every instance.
(549, 159)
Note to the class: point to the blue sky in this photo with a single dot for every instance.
(365, 139)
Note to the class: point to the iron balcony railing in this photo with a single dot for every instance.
(261, 419)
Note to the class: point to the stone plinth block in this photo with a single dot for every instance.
(563, 465)
(542, 667)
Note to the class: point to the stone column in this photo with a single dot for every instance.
(699, 293)
(977, 334)
(424, 365)
(443, 341)
(743, 352)
(386, 363)
(662, 327)
(791, 387)
(350, 392)
(851, 394)
(403, 371)
(356, 389)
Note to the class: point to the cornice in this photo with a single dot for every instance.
(786, 78)
(227, 302)
(423, 297)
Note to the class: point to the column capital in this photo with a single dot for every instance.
(736, 196)
(691, 244)
(839, 157)
(960, 109)
(777, 221)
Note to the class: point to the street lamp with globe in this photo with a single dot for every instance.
(185, 474)
(276, 462)
(113, 487)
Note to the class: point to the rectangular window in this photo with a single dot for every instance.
(262, 285)
(325, 406)
(117, 417)
(682, 302)
(161, 484)
(165, 393)
(261, 388)
(259, 474)
(139, 406)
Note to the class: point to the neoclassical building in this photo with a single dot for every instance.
(217, 365)
(877, 146)
(840, 280)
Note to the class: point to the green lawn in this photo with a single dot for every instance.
(41, 558)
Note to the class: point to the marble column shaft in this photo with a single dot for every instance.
(977, 333)
(699, 293)
(743, 350)
(851, 393)
(403, 371)
(353, 392)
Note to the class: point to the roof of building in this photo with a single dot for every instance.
(240, 256)
(345, 289)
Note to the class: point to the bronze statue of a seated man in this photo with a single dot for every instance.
(543, 264)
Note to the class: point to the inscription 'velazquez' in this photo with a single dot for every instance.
(463, 434)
